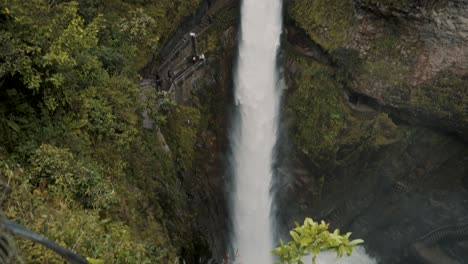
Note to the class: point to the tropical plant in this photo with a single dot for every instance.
(313, 237)
(80, 168)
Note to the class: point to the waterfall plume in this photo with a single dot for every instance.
(255, 131)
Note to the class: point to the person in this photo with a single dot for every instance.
(202, 57)
(194, 59)
(158, 83)
(169, 75)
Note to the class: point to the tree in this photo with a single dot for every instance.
(313, 237)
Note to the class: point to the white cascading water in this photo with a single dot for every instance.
(257, 97)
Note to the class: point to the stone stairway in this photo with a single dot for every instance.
(147, 83)
(199, 30)
(428, 249)
(187, 71)
(453, 232)
(176, 64)
(144, 85)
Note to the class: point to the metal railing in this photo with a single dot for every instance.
(7, 247)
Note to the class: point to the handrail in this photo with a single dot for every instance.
(443, 232)
(185, 39)
(21, 231)
(188, 71)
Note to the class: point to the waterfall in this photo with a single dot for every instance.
(254, 134)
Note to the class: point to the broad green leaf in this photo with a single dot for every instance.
(13, 125)
(295, 236)
(356, 242)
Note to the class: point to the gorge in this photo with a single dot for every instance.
(370, 136)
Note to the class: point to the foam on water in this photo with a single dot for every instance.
(359, 256)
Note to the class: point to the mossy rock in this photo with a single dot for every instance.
(446, 98)
(317, 110)
(327, 130)
(376, 76)
(403, 5)
(383, 72)
(329, 23)
(394, 4)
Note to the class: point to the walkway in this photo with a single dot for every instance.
(199, 30)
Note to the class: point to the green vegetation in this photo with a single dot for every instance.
(182, 131)
(82, 170)
(311, 238)
(224, 19)
(329, 23)
(317, 107)
(145, 22)
(325, 128)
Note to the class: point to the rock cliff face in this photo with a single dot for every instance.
(374, 124)
(377, 112)
(202, 89)
(208, 183)
(424, 58)
(432, 34)
(407, 55)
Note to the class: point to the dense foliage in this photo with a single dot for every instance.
(81, 169)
